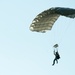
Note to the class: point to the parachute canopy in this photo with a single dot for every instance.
(45, 20)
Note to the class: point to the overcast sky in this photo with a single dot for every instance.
(23, 52)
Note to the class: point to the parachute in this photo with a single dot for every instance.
(45, 20)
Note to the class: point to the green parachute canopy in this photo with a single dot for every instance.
(45, 20)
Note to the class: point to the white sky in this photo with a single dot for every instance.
(23, 52)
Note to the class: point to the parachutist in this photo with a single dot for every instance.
(57, 56)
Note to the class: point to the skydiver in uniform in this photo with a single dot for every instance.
(57, 56)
